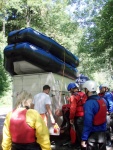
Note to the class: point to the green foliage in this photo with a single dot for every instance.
(98, 39)
(86, 32)
(4, 84)
(105, 24)
(6, 98)
(49, 17)
(85, 10)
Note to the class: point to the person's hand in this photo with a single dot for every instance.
(58, 112)
(71, 121)
(52, 119)
(83, 143)
(53, 123)
(107, 113)
(67, 98)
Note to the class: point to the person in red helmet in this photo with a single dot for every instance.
(77, 100)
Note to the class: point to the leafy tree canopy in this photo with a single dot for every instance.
(83, 27)
(98, 39)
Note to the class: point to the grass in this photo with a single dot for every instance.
(6, 100)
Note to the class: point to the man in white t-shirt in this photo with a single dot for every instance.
(42, 102)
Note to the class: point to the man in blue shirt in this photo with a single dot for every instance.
(107, 95)
(94, 129)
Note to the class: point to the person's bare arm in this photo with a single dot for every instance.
(50, 113)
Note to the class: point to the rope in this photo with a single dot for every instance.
(62, 77)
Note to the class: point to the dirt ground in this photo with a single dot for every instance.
(5, 110)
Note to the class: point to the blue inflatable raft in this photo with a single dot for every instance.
(39, 58)
(46, 43)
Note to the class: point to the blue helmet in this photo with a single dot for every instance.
(100, 87)
(72, 86)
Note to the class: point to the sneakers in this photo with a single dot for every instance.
(70, 145)
(66, 143)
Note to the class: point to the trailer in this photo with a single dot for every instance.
(34, 60)
(33, 83)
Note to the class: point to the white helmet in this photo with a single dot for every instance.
(90, 85)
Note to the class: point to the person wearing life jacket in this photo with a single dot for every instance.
(107, 95)
(94, 128)
(64, 112)
(24, 128)
(101, 94)
(65, 126)
(77, 100)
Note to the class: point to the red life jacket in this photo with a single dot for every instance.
(81, 99)
(101, 94)
(66, 107)
(20, 131)
(100, 117)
